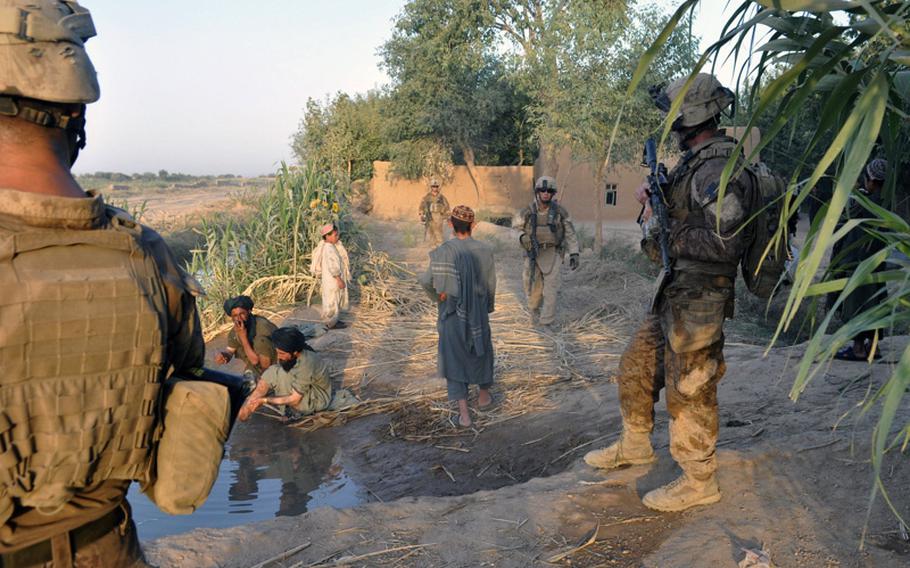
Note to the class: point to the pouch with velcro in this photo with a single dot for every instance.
(695, 318)
(197, 421)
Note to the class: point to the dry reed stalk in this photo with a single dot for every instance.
(394, 333)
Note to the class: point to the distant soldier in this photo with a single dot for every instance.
(249, 339)
(434, 212)
(678, 347)
(547, 235)
(855, 247)
(96, 312)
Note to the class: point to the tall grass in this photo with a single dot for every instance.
(266, 254)
(855, 56)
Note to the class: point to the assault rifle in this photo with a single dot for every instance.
(235, 384)
(657, 179)
(535, 247)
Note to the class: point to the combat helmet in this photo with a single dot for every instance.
(877, 169)
(46, 76)
(545, 182)
(705, 99)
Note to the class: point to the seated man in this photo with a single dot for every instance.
(250, 339)
(299, 384)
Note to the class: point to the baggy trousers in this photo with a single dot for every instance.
(436, 231)
(690, 379)
(543, 292)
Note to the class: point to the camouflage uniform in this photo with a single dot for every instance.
(101, 311)
(542, 278)
(680, 344)
(95, 312)
(434, 212)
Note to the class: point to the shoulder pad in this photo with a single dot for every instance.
(705, 184)
(121, 219)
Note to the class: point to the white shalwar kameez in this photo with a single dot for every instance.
(330, 261)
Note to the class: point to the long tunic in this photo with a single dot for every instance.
(309, 377)
(330, 261)
(465, 271)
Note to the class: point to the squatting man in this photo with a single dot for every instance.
(298, 384)
(249, 339)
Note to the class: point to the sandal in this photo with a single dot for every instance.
(846, 354)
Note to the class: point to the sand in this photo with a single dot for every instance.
(795, 477)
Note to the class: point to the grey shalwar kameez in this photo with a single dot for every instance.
(464, 270)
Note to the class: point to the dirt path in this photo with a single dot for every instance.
(515, 492)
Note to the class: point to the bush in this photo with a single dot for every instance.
(266, 255)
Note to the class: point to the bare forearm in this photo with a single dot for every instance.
(251, 354)
(290, 399)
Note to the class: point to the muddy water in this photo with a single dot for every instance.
(268, 471)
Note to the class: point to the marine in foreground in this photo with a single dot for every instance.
(678, 347)
(95, 313)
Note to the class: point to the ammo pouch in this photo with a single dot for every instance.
(196, 424)
(693, 313)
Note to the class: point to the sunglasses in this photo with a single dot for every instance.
(546, 190)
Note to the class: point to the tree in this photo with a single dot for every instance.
(573, 60)
(852, 72)
(448, 85)
(343, 135)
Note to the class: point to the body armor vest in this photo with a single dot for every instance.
(553, 220)
(681, 202)
(83, 321)
(438, 207)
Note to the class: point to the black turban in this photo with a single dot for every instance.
(244, 302)
(289, 340)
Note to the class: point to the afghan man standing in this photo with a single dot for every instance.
(330, 263)
(461, 278)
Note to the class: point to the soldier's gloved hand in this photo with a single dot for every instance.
(573, 261)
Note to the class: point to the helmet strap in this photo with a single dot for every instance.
(50, 116)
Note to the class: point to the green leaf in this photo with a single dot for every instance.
(785, 44)
(856, 139)
(808, 5)
(901, 57)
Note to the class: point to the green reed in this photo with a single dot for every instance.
(266, 253)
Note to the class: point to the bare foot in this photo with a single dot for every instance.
(464, 415)
(484, 399)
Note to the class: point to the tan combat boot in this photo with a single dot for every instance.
(632, 448)
(682, 493)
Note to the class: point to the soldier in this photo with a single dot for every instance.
(434, 212)
(249, 339)
(95, 312)
(547, 234)
(679, 345)
(855, 247)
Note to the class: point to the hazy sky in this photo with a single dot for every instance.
(218, 86)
